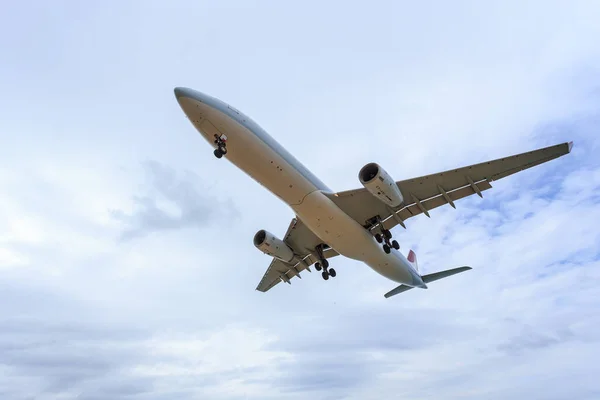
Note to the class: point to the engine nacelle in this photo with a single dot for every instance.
(377, 181)
(273, 246)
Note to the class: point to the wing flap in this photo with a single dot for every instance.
(429, 204)
(430, 191)
(425, 186)
(280, 271)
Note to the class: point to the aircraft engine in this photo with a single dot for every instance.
(377, 181)
(273, 246)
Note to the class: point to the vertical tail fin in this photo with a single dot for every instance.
(412, 258)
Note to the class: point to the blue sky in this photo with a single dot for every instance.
(127, 268)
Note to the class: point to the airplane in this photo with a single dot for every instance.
(353, 223)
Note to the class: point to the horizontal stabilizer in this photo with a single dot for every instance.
(427, 278)
(443, 274)
(399, 289)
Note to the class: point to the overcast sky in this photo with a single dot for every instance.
(127, 269)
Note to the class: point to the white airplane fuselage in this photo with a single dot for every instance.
(256, 153)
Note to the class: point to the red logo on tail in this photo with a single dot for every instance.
(412, 257)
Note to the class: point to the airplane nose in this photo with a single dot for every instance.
(181, 92)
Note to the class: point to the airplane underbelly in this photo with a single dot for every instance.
(348, 237)
(332, 225)
(253, 156)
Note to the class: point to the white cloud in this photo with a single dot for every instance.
(172, 312)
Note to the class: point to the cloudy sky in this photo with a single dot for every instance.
(127, 269)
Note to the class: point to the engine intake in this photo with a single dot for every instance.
(273, 246)
(377, 181)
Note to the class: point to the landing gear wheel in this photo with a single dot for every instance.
(325, 263)
(387, 234)
(378, 237)
(218, 153)
(318, 266)
(221, 142)
(387, 249)
(332, 272)
(395, 245)
(325, 275)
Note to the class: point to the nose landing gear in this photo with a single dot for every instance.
(221, 142)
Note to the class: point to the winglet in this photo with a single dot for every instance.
(570, 146)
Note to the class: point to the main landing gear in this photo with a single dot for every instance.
(221, 142)
(385, 236)
(323, 264)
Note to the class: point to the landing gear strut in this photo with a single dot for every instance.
(384, 237)
(323, 264)
(221, 142)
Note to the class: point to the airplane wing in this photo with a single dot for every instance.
(303, 242)
(427, 192)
